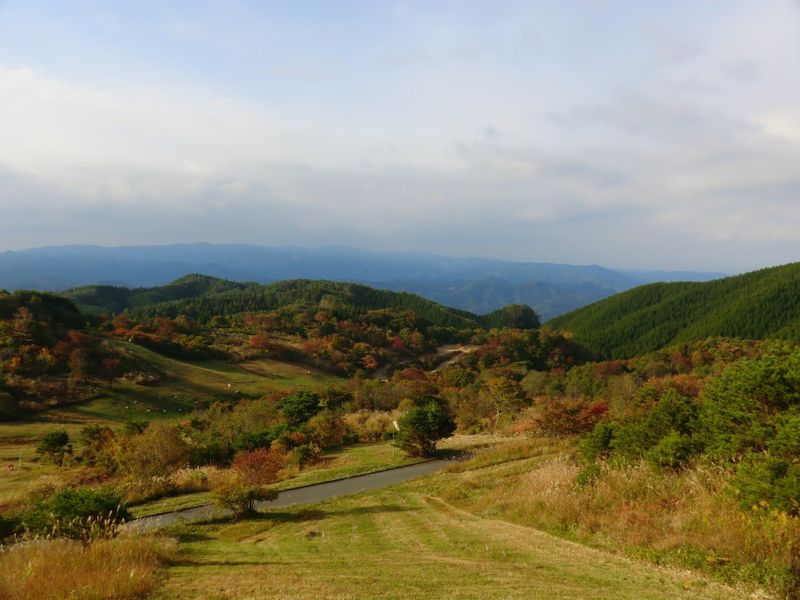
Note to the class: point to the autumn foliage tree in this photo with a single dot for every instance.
(260, 466)
(245, 484)
(506, 396)
(160, 449)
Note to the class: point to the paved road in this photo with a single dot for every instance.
(303, 495)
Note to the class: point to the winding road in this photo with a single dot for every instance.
(300, 495)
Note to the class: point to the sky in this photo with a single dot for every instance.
(643, 135)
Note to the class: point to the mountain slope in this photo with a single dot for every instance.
(485, 295)
(201, 297)
(761, 304)
(478, 285)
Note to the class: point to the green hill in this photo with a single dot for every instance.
(200, 298)
(757, 305)
(40, 311)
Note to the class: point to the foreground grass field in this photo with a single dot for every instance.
(403, 543)
(123, 568)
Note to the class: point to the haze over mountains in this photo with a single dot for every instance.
(477, 285)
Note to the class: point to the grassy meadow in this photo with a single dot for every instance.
(406, 542)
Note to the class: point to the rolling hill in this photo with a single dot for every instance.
(756, 305)
(201, 297)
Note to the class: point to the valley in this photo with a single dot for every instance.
(577, 473)
(399, 300)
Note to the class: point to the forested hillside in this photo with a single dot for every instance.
(758, 305)
(201, 298)
(46, 354)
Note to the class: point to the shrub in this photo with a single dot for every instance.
(632, 440)
(473, 412)
(598, 443)
(240, 488)
(305, 454)
(300, 407)
(672, 451)
(672, 412)
(9, 409)
(665, 435)
(250, 440)
(234, 493)
(56, 446)
(771, 481)
(259, 467)
(368, 425)
(158, 450)
(588, 475)
(422, 426)
(96, 441)
(458, 377)
(506, 396)
(81, 513)
(327, 429)
(570, 416)
(740, 406)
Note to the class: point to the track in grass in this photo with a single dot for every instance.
(401, 543)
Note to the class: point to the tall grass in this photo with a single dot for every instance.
(688, 518)
(122, 568)
(183, 481)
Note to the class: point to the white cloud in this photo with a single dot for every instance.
(784, 124)
(513, 134)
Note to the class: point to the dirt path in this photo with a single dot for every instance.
(453, 352)
(457, 351)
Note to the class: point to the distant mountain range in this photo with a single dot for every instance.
(758, 305)
(476, 285)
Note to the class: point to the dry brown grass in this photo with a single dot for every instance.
(688, 518)
(122, 568)
(183, 481)
(503, 450)
(371, 425)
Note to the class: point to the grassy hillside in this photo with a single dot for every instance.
(410, 541)
(758, 305)
(182, 388)
(200, 297)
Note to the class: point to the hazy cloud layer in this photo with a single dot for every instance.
(624, 133)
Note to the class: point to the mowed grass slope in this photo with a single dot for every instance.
(402, 543)
(187, 385)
